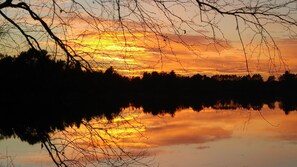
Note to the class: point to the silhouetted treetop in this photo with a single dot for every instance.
(288, 77)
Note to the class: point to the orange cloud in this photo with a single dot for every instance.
(288, 48)
(137, 50)
(132, 49)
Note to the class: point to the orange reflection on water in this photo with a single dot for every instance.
(211, 138)
(192, 133)
(190, 127)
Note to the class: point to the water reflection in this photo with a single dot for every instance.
(33, 126)
(243, 138)
(97, 142)
(135, 137)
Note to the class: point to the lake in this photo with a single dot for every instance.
(210, 137)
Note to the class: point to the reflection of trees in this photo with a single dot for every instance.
(95, 142)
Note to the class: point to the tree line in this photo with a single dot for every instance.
(40, 94)
(34, 78)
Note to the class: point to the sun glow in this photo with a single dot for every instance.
(114, 42)
(113, 49)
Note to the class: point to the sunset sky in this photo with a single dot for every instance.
(145, 36)
(141, 53)
(134, 45)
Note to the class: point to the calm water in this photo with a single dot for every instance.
(209, 138)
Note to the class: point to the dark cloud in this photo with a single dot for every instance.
(202, 147)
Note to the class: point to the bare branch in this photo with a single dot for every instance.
(28, 37)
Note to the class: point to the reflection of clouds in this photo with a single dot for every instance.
(287, 128)
(189, 127)
(202, 147)
(175, 135)
(272, 124)
(139, 132)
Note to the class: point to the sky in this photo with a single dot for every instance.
(151, 38)
(136, 56)
(146, 36)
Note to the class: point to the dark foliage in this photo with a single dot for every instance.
(39, 94)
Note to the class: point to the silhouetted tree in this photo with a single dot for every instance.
(287, 77)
